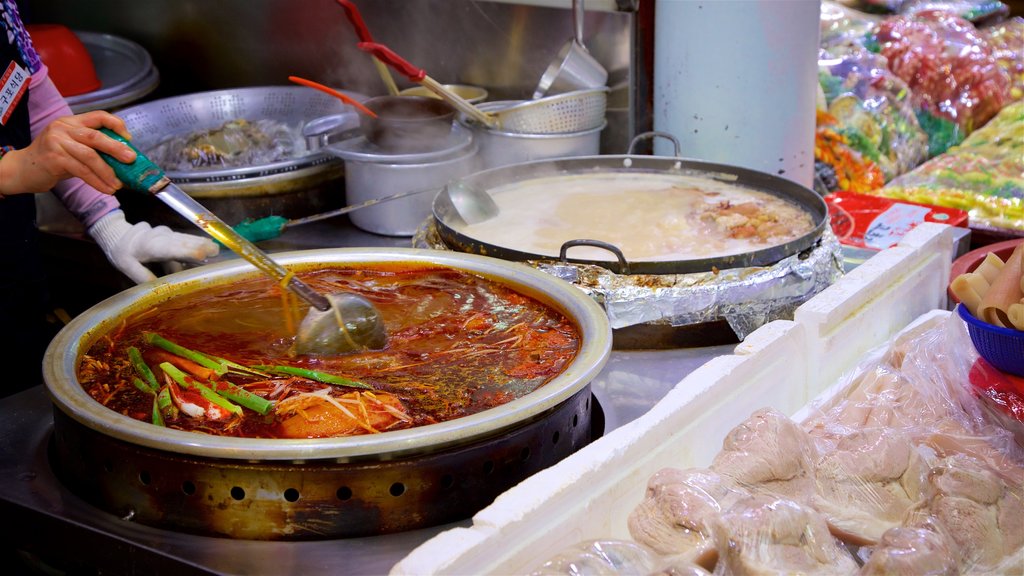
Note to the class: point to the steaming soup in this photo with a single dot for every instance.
(649, 217)
(221, 361)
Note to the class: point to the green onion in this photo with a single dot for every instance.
(167, 408)
(142, 386)
(158, 418)
(177, 375)
(212, 396)
(237, 368)
(314, 375)
(215, 398)
(197, 357)
(142, 368)
(251, 401)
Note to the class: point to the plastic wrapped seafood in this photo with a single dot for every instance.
(904, 470)
(951, 70)
(872, 108)
(984, 175)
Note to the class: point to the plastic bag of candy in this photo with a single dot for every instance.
(1006, 39)
(872, 108)
(842, 25)
(956, 83)
(984, 175)
(838, 165)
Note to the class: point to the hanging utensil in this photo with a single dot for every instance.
(472, 204)
(573, 68)
(417, 75)
(364, 36)
(336, 324)
(340, 96)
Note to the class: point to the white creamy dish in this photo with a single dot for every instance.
(649, 217)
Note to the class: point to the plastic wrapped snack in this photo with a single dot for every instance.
(984, 175)
(842, 25)
(972, 10)
(837, 165)
(951, 70)
(872, 108)
(1007, 42)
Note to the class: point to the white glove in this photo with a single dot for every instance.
(128, 246)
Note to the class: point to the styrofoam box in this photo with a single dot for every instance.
(784, 364)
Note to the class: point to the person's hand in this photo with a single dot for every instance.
(128, 246)
(67, 148)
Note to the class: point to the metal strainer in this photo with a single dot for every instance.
(563, 113)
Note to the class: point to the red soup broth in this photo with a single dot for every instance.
(458, 343)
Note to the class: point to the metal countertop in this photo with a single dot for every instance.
(79, 538)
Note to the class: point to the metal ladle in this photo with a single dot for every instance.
(336, 324)
(573, 68)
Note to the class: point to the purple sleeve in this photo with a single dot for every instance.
(45, 104)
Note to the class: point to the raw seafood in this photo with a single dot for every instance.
(678, 511)
(911, 552)
(237, 143)
(763, 535)
(866, 480)
(768, 452)
(980, 515)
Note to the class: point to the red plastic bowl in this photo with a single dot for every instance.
(970, 261)
(71, 66)
(1001, 394)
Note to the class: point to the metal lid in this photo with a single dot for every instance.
(125, 70)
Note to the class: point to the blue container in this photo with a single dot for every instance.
(1002, 347)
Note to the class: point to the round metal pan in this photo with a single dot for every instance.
(60, 365)
(451, 227)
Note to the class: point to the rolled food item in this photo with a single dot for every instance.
(1016, 315)
(1004, 292)
(970, 288)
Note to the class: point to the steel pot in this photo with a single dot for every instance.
(316, 488)
(371, 174)
(502, 148)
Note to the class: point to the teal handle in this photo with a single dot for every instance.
(142, 174)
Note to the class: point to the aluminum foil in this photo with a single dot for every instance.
(746, 298)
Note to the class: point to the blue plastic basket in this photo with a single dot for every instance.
(1002, 347)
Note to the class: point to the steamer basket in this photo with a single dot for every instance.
(307, 183)
(154, 122)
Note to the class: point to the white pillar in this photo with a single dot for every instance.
(735, 82)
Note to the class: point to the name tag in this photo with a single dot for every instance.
(12, 87)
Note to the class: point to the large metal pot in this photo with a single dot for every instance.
(452, 228)
(316, 488)
(306, 184)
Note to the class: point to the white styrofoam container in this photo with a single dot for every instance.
(784, 364)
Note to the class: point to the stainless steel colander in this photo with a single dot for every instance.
(575, 111)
